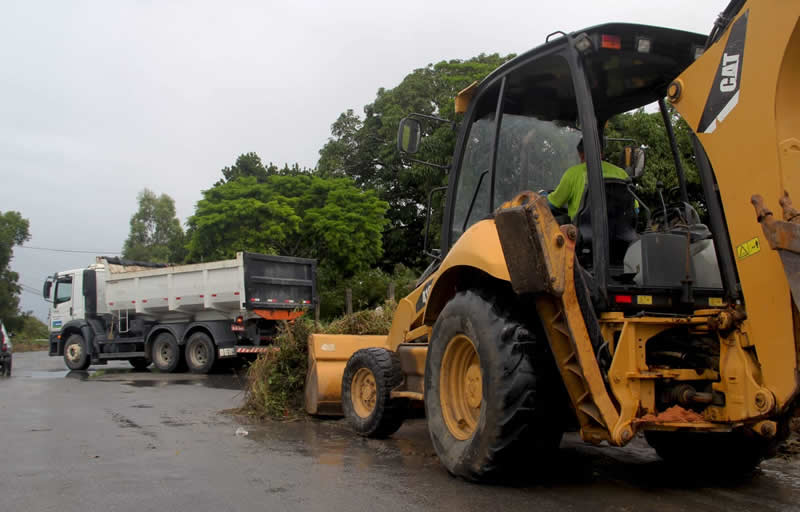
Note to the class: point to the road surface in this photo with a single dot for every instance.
(117, 440)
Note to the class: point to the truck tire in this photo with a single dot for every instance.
(724, 454)
(493, 397)
(139, 363)
(369, 377)
(166, 353)
(76, 357)
(200, 353)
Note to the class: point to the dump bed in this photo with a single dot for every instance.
(250, 281)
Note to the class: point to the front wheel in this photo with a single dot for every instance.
(367, 383)
(492, 394)
(76, 356)
(200, 353)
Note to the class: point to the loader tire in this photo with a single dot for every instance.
(166, 353)
(76, 357)
(725, 454)
(492, 392)
(369, 377)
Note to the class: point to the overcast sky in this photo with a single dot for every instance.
(101, 99)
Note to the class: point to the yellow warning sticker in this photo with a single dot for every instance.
(644, 299)
(715, 301)
(748, 248)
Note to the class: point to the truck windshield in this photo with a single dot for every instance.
(63, 290)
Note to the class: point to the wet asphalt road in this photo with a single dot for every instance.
(119, 440)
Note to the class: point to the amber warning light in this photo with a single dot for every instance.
(610, 42)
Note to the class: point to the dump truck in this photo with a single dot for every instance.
(669, 317)
(174, 316)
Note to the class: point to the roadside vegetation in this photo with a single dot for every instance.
(275, 381)
(31, 336)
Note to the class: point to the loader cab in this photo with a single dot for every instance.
(520, 132)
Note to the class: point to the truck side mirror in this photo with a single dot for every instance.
(48, 285)
(409, 134)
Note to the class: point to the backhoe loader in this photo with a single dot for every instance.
(677, 319)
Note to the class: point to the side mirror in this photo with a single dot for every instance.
(409, 134)
(634, 161)
(48, 285)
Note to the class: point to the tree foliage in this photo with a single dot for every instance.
(293, 215)
(155, 231)
(647, 128)
(14, 230)
(364, 149)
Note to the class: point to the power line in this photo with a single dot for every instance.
(66, 250)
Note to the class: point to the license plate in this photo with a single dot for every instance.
(227, 352)
(237, 328)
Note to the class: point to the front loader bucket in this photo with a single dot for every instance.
(327, 357)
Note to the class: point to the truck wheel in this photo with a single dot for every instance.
(139, 363)
(200, 353)
(492, 392)
(166, 354)
(369, 377)
(726, 454)
(75, 355)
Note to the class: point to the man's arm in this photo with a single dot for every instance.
(560, 196)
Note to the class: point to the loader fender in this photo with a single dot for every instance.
(476, 256)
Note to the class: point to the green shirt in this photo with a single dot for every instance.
(570, 188)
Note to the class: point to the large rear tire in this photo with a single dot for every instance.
(491, 389)
(369, 377)
(727, 454)
(76, 357)
(200, 353)
(166, 353)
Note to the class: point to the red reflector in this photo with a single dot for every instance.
(236, 293)
(202, 296)
(623, 299)
(177, 298)
(144, 300)
(253, 299)
(610, 42)
(110, 303)
(213, 294)
(133, 302)
(165, 298)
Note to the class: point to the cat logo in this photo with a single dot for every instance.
(729, 72)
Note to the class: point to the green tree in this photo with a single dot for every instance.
(156, 234)
(364, 149)
(250, 164)
(14, 230)
(647, 129)
(293, 215)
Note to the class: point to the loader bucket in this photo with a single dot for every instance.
(327, 357)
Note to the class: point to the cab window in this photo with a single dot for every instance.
(538, 134)
(63, 290)
(472, 189)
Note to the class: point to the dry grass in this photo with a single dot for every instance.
(275, 381)
(29, 345)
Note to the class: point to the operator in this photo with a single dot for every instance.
(570, 188)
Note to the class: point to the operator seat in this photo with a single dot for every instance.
(621, 223)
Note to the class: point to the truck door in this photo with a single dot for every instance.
(62, 310)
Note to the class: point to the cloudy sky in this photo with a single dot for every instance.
(101, 99)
